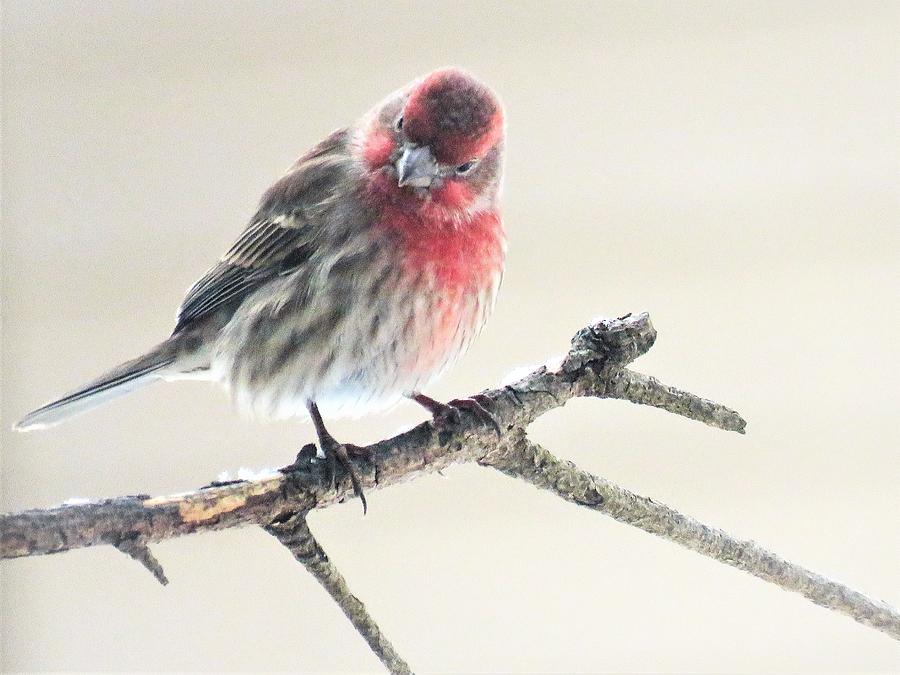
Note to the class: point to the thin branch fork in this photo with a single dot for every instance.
(595, 366)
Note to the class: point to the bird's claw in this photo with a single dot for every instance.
(449, 413)
(359, 452)
(340, 452)
(476, 406)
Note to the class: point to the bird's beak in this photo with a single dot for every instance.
(416, 167)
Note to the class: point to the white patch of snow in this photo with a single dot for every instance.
(517, 374)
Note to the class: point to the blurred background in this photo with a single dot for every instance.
(730, 167)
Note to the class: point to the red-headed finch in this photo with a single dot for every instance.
(367, 269)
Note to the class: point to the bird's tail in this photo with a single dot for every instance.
(121, 380)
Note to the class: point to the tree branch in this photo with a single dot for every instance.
(598, 354)
(595, 366)
(137, 549)
(646, 390)
(530, 462)
(294, 533)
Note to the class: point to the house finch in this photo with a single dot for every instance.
(368, 268)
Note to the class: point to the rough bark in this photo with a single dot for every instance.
(530, 462)
(294, 533)
(595, 366)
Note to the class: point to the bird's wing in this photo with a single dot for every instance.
(281, 236)
(267, 248)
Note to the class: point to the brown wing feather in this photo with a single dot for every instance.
(279, 238)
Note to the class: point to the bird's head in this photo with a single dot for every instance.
(441, 137)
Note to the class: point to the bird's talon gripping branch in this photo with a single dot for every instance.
(338, 452)
(445, 414)
(478, 405)
(359, 452)
(306, 456)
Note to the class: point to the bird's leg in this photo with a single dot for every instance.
(340, 452)
(444, 413)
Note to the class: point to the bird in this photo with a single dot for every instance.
(367, 269)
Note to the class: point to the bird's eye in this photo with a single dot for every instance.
(463, 169)
(398, 125)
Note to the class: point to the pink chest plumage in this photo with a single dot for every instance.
(455, 262)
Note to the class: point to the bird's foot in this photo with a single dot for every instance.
(444, 414)
(340, 453)
(359, 452)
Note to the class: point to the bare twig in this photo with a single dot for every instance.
(595, 366)
(137, 548)
(294, 533)
(644, 389)
(530, 462)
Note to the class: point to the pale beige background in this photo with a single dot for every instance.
(730, 167)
